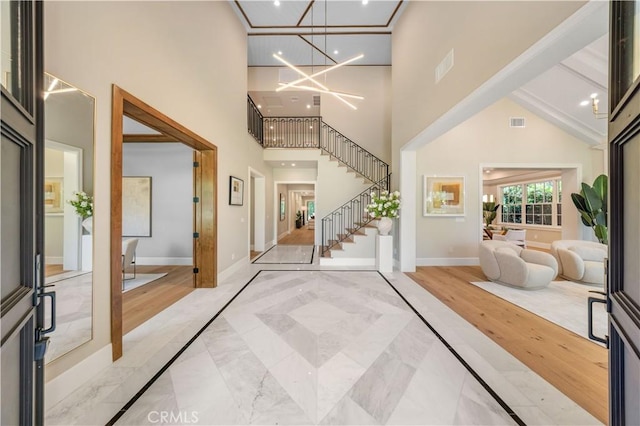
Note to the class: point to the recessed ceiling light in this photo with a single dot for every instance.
(311, 127)
(594, 95)
(335, 52)
(271, 127)
(308, 106)
(293, 164)
(365, 1)
(282, 164)
(277, 2)
(279, 52)
(584, 103)
(259, 106)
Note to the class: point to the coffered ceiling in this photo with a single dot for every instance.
(319, 32)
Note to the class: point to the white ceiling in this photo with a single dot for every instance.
(310, 32)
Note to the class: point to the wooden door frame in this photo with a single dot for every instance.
(205, 187)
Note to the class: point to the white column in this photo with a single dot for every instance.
(408, 213)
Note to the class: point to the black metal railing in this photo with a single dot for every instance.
(291, 132)
(352, 155)
(255, 121)
(347, 219)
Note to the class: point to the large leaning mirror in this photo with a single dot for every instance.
(68, 206)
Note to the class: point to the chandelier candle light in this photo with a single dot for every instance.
(385, 207)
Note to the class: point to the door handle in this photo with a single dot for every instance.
(52, 296)
(591, 301)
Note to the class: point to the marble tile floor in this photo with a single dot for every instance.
(73, 312)
(149, 347)
(287, 254)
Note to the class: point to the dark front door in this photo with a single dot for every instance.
(624, 266)
(20, 72)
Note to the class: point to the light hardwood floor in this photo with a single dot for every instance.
(299, 237)
(253, 254)
(571, 363)
(53, 269)
(142, 303)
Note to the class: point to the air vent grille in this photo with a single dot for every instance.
(445, 66)
(516, 122)
(316, 100)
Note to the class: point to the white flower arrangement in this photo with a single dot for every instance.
(83, 204)
(386, 204)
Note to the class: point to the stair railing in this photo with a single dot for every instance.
(255, 121)
(347, 219)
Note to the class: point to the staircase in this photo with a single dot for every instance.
(348, 222)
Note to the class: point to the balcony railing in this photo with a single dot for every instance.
(255, 122)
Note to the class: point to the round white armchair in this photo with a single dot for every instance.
(580, 261)
(506, 263)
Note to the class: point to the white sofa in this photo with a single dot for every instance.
(506, 263)
(580, 261)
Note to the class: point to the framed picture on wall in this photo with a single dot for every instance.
(236, 191)
(283, 207)
(53, 202)
(443, 196)
(136, 206)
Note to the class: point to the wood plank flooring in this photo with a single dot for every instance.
(299, 237)
(53, 269)
(253, 254)
(142, 303)
(571, 363)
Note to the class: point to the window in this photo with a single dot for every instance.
(541, 203)
(539, 208)
(512, 204)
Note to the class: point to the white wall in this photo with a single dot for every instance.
(171, 169)
(370, 125)
(186, 59)
(487, 139)
(53, 222)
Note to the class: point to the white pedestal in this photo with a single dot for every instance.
(87, 252)
(384, 253)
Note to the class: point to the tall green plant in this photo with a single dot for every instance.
(591, 202)
(489, 211)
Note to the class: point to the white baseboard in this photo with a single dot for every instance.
(545, 246)
(54, 260)
(233, 269)
(284, 234)
(352, 261)
(164, 260)
(63, 385)
(447, 261)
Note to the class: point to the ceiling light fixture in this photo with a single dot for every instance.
(293, 164)
(317, 86)
(335, 52)
(584, 103)
(277, 2)
(594, 107)
(365, 2)
(321, 88)
(259, 106)
(308, 106)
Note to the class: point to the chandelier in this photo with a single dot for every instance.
(313, 84)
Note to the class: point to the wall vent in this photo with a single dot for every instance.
(295, 99)
(445, 66)
(316, 100)
(516, 122)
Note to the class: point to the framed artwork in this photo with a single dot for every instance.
(283, 207)
(136, 206)
(443, 196)
(53, 188)
(236, 191)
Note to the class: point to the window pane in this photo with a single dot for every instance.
(537, 209)
(13, 76)
(546, 209)
(546, 219)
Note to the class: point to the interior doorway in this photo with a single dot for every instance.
(257, 213)
(204, 198)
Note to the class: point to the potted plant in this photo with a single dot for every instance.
(384, 206)
(489, 212)
(298, 219)
(591, 202)
(83, 205)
